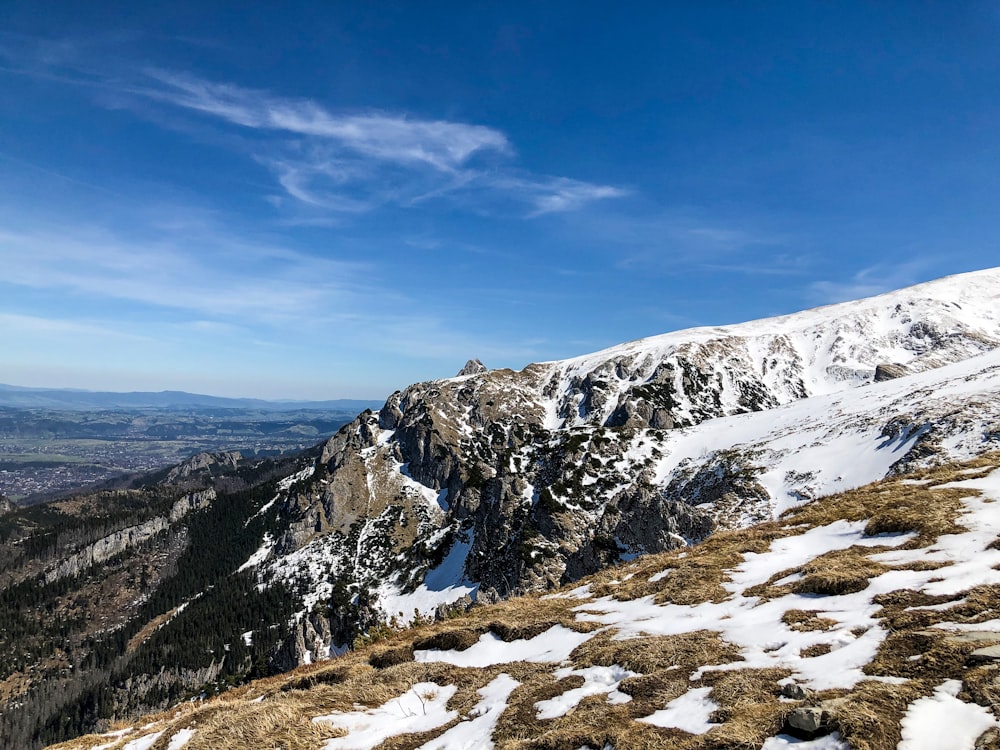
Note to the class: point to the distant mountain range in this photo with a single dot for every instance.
(81, 400)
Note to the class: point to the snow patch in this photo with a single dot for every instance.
(553, 645)
(180, 739)
(689, 712)
(477, 733)
(419, 709)
(943, 722)
(597, 680)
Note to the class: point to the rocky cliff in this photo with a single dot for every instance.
(124, 539)
(497, 482)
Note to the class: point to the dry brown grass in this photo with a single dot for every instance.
(687, 652)
(817, 649)
(840, 572)
(804, 620)
(869, 716)
(279, 724)
(699, 577)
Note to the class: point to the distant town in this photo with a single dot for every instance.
(45, 453)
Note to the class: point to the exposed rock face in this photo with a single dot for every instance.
(191, 501)
(472, 367)
(204, 463)
(504, 482)
(888, 372)
(113, 544)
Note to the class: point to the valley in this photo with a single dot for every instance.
(45, 451)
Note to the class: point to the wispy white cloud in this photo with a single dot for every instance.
(440, 144)
(686, 240)
(111, 290)
(236, 279)
(324, 160)
(356, 161)
(55, 327)
(555, 194)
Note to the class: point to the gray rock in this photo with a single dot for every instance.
(473, 367)
(971, 636)
(809, 719)
(988, 740)
(794, 691)
(985, 655)
(889, 372)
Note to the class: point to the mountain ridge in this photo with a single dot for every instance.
(537, 477)
(73, 398)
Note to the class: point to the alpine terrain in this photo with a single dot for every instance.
(712, 482)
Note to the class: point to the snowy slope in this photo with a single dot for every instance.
(778, 360)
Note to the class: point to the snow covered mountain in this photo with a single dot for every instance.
(498, 482)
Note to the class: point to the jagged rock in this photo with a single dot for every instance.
(6, 505)
(528, 480)
(444, 611)
(988, 740)
(113, 544)
(190, 502)
(472, 367)
(106, 548)
(887, 371)
(808, 719)
(794, 691)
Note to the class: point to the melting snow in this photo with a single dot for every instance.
(476, 734)
(180, 739)
(829, 742)
(689, 712)
(597, 680)
(143, 743)
(555, 645)
(943, 722)
(442, 585)
(756, 627)
(796, 551)
(260, 555)
(419, 709)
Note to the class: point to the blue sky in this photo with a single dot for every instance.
(331, 200)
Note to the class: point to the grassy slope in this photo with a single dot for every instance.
(278, 712)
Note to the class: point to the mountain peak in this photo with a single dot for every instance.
(472, 367)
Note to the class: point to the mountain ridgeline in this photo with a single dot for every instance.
(498, 482)
(477, 488)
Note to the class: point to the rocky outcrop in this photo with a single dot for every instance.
(204, 464)
(132, 536)
(191, 501)
(889, 372)
(472, 367)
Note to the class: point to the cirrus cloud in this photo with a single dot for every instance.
(356, 161)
